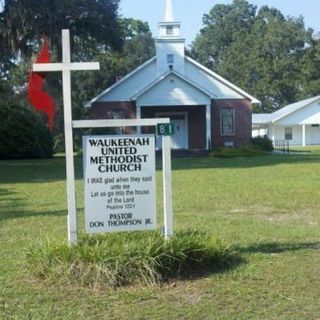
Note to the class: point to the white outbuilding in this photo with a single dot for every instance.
(297, 123)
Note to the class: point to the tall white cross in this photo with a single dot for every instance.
(66, 67)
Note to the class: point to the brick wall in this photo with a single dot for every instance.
(196, 120)
(243, 122)
(102, 110)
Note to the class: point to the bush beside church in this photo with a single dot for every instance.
(23, 135)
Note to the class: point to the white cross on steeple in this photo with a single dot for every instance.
(169, 12)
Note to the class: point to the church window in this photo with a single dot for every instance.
(287, 133)
(227, 121)
(170, 58)
(169, 30)
(118, 115)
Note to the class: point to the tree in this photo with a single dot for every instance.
(278, 47)
(25, 21)
(224, 25)
(260, 51)
(98, 34)
(139, 46)
(310, 75)
(5, 65)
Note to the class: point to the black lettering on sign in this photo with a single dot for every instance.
(96, 224)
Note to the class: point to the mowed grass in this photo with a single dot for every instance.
(266, 207)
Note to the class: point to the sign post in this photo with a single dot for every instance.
(165, 130)
(167, 189)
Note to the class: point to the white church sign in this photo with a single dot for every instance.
(119, 176)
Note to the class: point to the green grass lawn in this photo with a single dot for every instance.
(267, 207)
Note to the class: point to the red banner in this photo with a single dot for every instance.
(37, 97)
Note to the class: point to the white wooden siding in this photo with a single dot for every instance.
(173, 91)
(296, 134)
(163, 31)
(163, 49)
(132, 85)
(312, 135)
(220, 90)
(259, 132)
(307, 115)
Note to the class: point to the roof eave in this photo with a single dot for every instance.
(293, 111)
(224, 81)
(89, 104)
(180, 76)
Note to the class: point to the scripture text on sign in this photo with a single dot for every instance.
(119, 175)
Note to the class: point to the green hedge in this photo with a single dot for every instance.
(263, 143)
(247, 150)
(23, 134)
(258, 146)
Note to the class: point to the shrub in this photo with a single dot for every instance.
(23, 134)
(263, 143)
(127, 258)
(243, 151)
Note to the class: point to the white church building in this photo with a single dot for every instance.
(206, 109)
(297, 123)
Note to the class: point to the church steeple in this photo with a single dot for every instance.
(169, 44)
(169, 12)
(169, 28)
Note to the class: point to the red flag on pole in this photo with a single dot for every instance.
(37, 97)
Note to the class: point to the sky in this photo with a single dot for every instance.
(190, 12)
